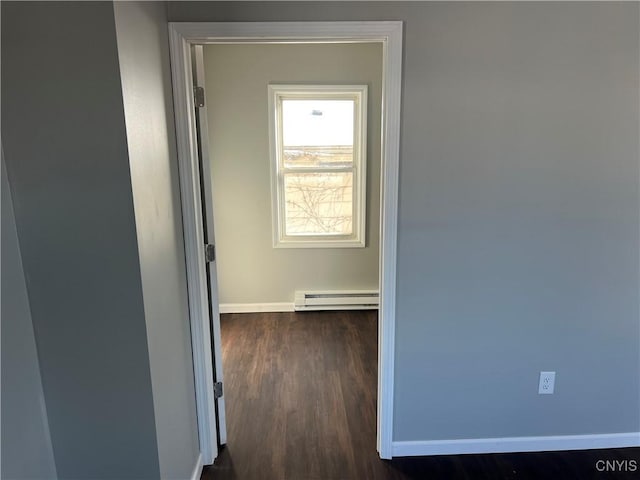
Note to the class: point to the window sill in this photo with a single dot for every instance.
(351, 243)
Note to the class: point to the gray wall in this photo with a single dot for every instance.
(250, 270)
(518, 229)
(143, 49)
(65, 148)
(26, 443)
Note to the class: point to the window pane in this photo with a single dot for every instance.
(317, 133)
(318, 203)
(318, 157)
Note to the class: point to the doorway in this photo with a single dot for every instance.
(182, 36)
(287, 216)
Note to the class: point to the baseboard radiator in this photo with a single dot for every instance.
(336, 300)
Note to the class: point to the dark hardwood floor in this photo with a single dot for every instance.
(300, 393)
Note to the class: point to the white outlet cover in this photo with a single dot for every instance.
(547, 383)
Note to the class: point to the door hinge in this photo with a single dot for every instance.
(198, 95)
(209, 253)
(217, 390)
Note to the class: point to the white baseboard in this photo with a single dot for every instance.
(197, 470)
(515, 444)
(255, 307)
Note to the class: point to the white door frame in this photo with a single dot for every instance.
(182, 35)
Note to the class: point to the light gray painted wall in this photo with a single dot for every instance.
(143, 49)
(26, 442)
(250, 270)
(65, 147)
(518, 229)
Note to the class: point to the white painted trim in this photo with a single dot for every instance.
(391, 104)
(194, 243)
(389, 33)
(197, 469)
(255, 307)
(515, 444)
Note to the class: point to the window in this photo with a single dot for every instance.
(318, 158)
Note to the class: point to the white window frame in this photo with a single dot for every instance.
(357, 93)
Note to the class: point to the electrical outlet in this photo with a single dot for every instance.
(547, 383)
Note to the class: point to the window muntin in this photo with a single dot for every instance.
(318, 138)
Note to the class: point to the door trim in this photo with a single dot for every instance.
(192, 215)
(182, 35)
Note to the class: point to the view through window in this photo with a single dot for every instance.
(318, 137)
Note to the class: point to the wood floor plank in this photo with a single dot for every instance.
(300, 394)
